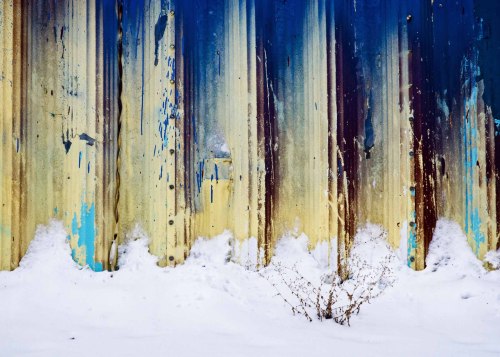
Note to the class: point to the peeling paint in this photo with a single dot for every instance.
(191, 117)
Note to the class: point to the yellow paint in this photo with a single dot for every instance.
(62, 93)
(217, 196)
(150, 189)
(303, 203)
(11, 239)
(235, 202)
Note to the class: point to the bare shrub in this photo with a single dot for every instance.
(331, 298)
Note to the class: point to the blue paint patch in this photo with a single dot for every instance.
(79, 159)
(142, 78)
(412, 239)
(86, 233)
(476, 230)
(199, 175)
(472, 219)
(193, 128)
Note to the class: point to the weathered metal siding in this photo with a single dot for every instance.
(262, 117)
(13, 242)
(150, 145)
(56, 135)
(64, 125)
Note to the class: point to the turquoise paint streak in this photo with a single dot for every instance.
(412, 240)
(5, 230)
(472, 220)
(86, 232)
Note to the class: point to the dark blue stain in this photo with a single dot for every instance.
(199, 175)
(67, 143)
(79, 159)
(160, 27)
(85, 137)
(369, 141)
(193, 129)
(340, 169)
(489, 52)
(216, 173)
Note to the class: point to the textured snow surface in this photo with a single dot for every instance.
(211, 306)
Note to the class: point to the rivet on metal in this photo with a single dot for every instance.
(171, 187)
(171, 222)
(171, 258)
(172, 151)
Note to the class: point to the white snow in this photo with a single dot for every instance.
(493, 258)
(210, 306)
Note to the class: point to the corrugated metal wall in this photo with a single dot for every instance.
(262, 117)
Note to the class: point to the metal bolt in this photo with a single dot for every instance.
(172, 151)
(172, 46)
(172, 13)
(172, 116)
(171, 187)
(171, 258)
(172, 81)
(171, 222)
(412, 224)
(412, 259)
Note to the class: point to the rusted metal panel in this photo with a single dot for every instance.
(11, 181)
(151, 146)
(261, 117)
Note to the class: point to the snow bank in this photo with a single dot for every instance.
(51, 307)
(449, 251)
(134, 254)
(49, 252)
(215, 251)
(371, 248)
(493, 259)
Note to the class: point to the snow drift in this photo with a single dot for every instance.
(213, 306)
